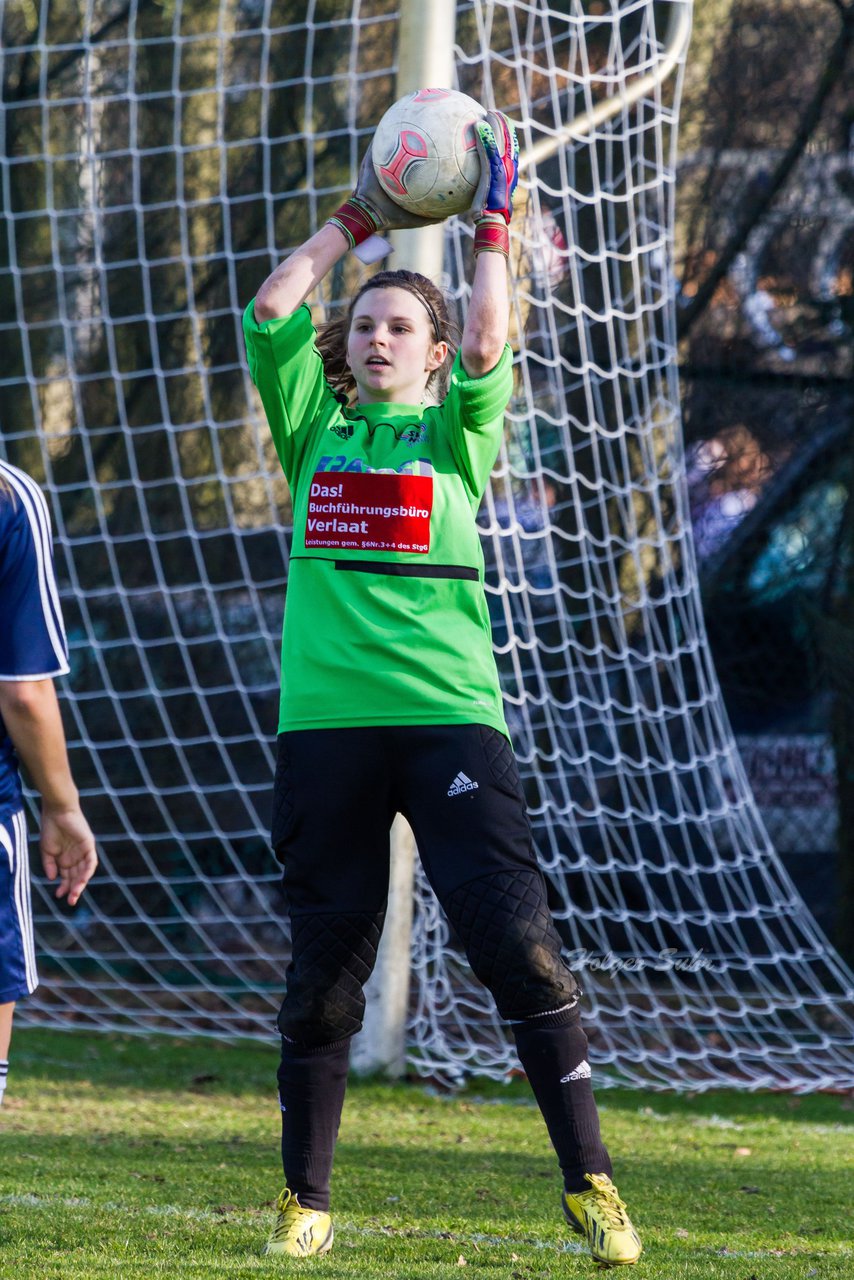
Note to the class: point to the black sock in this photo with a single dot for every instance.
(311, 1092)
(555, 1061)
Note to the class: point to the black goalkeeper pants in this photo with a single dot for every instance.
(336, 794)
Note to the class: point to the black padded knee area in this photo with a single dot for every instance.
(333, 956)
(512, 945)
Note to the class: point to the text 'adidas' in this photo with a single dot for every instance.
(460, 784)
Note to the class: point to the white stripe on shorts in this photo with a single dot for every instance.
(16, 851)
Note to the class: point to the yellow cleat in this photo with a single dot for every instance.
(299, 1232)
(600, 1215)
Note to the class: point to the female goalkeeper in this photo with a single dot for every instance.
(390, 699)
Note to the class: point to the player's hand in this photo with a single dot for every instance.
(389, 215)
(68, 851)
(499, 159)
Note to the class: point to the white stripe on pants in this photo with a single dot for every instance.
(13, 840)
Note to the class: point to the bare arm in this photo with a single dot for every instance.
(488, 320)
(295, 278)
(31, 715)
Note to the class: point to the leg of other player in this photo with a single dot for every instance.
(6, 1012)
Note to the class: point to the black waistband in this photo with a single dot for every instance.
(395, 569)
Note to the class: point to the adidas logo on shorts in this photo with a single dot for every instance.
(581, 1072)
(460, 784)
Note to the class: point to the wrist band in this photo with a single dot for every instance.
(491, 235)
(356, 220)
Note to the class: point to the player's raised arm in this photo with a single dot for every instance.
(488, 319)
(366, 213)
(294, 279)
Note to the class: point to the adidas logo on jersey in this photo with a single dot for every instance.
(581, 1072)
(460, 784)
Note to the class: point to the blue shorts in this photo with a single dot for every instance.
(18, 975)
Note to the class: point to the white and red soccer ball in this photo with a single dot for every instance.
(425, 152)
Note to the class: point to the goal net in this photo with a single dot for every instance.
(158, 159)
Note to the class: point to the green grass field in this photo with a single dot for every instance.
(124, 1156)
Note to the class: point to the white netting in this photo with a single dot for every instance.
(158, 160)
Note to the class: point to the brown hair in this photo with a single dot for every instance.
(332, 336)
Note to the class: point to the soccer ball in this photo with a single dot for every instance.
(425, 152)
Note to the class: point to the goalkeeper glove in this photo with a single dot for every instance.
(369, 211)
(493, 202)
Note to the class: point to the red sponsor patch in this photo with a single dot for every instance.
(369, 511)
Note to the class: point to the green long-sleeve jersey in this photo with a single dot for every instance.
(385, 616)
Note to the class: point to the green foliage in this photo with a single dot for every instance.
(159, 1157)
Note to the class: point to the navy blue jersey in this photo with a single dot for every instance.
(32, 637)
